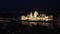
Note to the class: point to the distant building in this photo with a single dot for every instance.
(32, 18)
(35, 17)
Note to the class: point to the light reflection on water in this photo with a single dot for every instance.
(37, 23)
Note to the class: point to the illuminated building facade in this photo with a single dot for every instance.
(35, 17)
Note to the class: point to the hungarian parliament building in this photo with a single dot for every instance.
(35, 17)
(41, 19)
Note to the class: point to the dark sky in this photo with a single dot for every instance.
(29, 4)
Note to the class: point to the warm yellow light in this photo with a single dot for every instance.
(35, 14)
(35, 17)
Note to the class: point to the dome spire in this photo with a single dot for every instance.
(35, 14)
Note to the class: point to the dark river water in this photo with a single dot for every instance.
(18, 26)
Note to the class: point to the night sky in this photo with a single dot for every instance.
(29, 4)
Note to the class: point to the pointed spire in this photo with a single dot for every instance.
(31, 14)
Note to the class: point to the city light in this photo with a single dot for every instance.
(35, 17)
